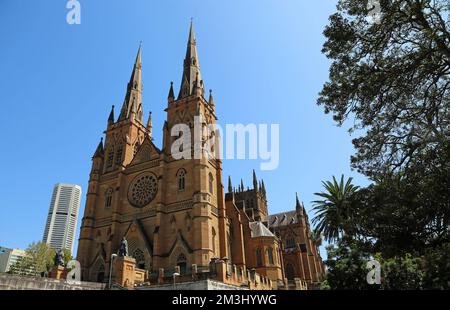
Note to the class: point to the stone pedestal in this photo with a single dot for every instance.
(124, 271)
(221, 270)
(58, 272)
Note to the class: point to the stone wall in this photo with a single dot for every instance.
(200, 285)
(15, 282)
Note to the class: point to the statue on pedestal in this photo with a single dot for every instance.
(123, 249)
(59, 258)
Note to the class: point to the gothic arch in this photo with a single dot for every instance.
(289, 241)
(259, 257)
(179, 246)
(182, 263)
(179, 256)
(109, 155)
(270, 256)
(108, 197)
(141, 261)
(97, 271)
(138, 243)
(289, 270)
(181, 179)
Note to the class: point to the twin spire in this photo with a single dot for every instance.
(132, 105)
(191, 80)
(191, 83)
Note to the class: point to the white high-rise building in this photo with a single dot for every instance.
(8, 257)
(62, 217)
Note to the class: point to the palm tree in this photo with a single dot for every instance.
(333, 214)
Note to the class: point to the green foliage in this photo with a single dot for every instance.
(402, 221)
(333, 214)
(402, 272)
(393, 77)
(23, 266)
(39, 258)
(346, 265)
(436, 267)
(67, 256)
(325, 285)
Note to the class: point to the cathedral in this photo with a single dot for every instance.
(174, 213)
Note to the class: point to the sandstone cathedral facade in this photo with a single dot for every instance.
(174, 212)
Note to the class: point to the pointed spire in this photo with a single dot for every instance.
(191, 67)
(211, 99)
(255, 181)
(263, 188)
(133, 98)
(230, 187)
(149, 124)
(171, 95)
(242, 185)
(297, 202)
(111, 116)
(99, 152)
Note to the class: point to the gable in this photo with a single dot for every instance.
(137, 238)
(147, 151)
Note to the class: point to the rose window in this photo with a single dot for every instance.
(142, 190)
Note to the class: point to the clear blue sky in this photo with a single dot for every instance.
(262, 58)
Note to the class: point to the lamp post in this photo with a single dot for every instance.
(111, 268)
(175, 275)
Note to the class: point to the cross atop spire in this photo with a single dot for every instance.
(191, 67)
(171, 95)
(132, 104)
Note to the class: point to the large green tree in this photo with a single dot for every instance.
(391, 77)
(407, 212)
